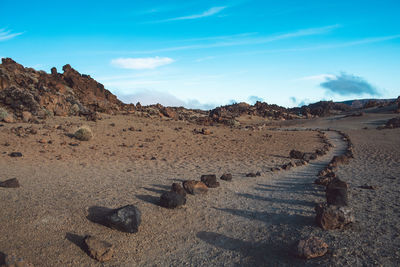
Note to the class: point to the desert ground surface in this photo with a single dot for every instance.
(66, 185)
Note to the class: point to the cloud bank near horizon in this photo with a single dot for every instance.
(348, 84)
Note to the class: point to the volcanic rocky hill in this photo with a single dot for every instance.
(70, 93)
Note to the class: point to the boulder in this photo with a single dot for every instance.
(98, 249)
(336, 193)
(178, 189)
(10, 183)
(226, 177)
(333, 217)
(311, 247)
(309, 156)
(195, 187)
(172, 200)
(210, 180)
(125, 219)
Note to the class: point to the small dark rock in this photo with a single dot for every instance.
(178, 189)
(210, 180)
(125, 219)
(172, 200)
(295, 154)
(251, 174)
(15, 154)
(226, 177)
(333, 217)
(336, 193)
(10, 183)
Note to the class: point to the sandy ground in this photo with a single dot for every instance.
(249, 221)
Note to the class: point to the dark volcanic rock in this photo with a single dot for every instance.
(125, 219)
(311, 247)
(195, 187)
(178, 189)
(295, 154)
(98, 249)
(172, 200)
(226, 177)
(333, 217)
(251, 174)
(210, 180)
(15, 154)
(336, 193)
(10, 183)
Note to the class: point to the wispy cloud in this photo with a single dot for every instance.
(141, 63)
(247, 41)
(348, 84)
(210, 12)
(317, 78)
(7, 34)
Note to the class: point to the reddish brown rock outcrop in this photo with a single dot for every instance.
(42, 94)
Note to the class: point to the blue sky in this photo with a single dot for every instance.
(205, 53)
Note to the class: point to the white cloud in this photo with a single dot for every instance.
(141, 63)
(7, 35)
(210, 12)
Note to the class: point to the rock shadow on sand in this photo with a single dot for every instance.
(271, 218)
(299, 202)
(149, 199)
(98, 214)
(252, 253)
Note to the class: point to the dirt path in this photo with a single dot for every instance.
(251, 221)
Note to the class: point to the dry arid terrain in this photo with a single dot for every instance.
(67, 185)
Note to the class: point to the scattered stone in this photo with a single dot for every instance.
(83, 134)
(286, 167)
(276, 169)
(98, 249)
(125, 219)
(178, 189)
(295, 154)
(370, 187)
(210, 180)
(10, 183)
(26, 116)
(226, 177)
(9, 118)
(15, 154)
(333, 217)
(172, 200)
(336, 193)
(13, 260)
(309, 156)
(311, 247)
(195, 187)
(337, 160)
(206, 131)
(42, 141)
(73, 144)
(251, 174)
(258, 173)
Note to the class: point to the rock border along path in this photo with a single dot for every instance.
(251, 220)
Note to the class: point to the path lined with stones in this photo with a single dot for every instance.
(259, 221)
